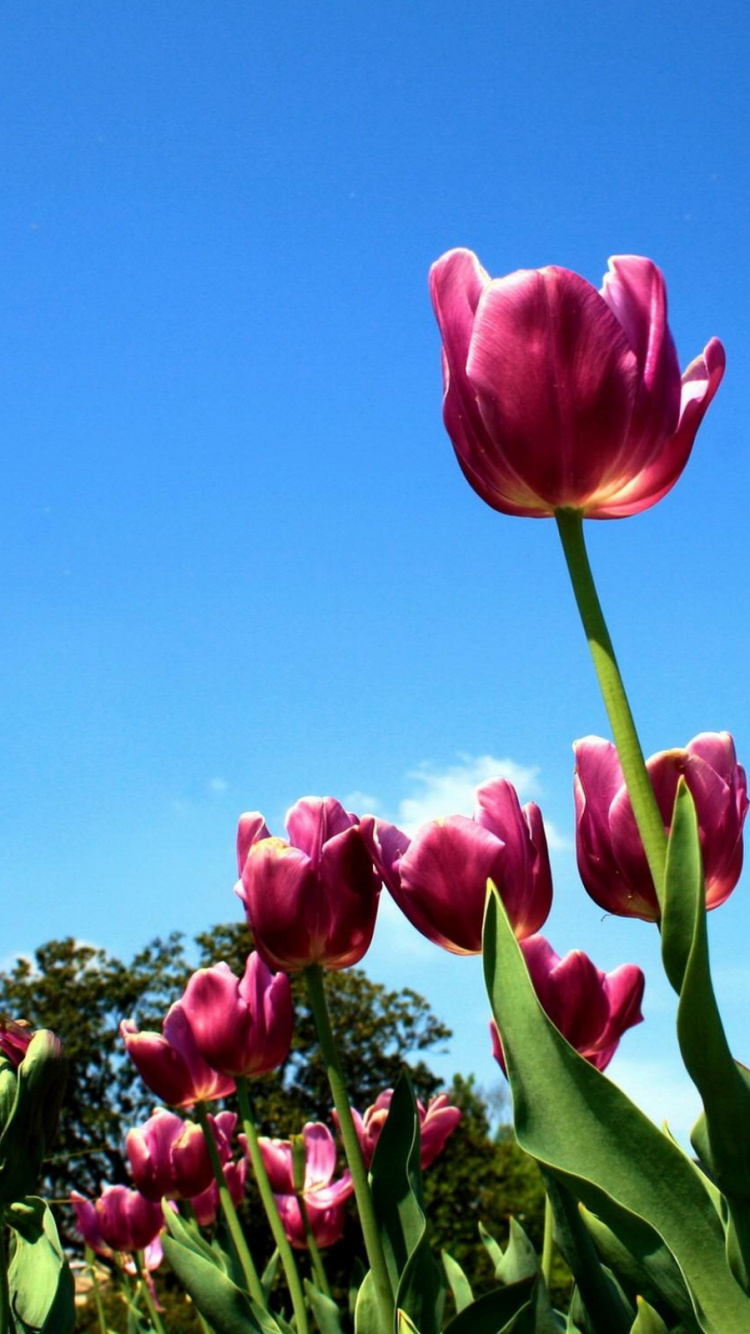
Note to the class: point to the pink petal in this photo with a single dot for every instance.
(251, 828)
(320, 1155)
(313, 820)
(443, 881)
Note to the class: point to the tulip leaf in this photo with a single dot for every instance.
(39, 1280)
(722, 1135)
(588, 1134)
(396, 1179)
(647, 1321)
(496, 1311)
(226, 1307)
(642, 1264)
(596, 1295)
(325, 1310)
(366, 1310)
(457, 1281)
(491, 1246)
(404, 1325)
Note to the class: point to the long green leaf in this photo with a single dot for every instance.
(457, 1282)
(493, 1313)
(574, 1121)
(601, 1302)
(226, 1307)
(39, 1279)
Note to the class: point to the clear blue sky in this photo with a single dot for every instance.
(238, 562)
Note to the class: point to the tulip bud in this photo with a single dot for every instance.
(312, 899)
(32, 1083)
(561, 397)
(611, 859)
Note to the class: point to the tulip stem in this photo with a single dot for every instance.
(146, 1293)
(368, 1222)
(99, 1304)
(312, 1246)
(548, 1242)
(291, 1272)
(252, 1280)
(642, 799)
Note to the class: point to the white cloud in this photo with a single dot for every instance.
(450, 791)
(218, 786)
(363, 803)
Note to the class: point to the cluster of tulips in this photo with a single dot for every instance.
(561, 401)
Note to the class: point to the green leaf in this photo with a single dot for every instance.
(648, 1321)
(268, 1277)
(494, 1312)
(39, 1279)
(492, 1248)
(722, 1135)
(325, 1310)
(457, 1281)
(596, 1296)
(643, 1265)
(31, 1124)
(226, 1307)
(580, 1126)
(404, 1325)
(396, 1180)
(367, 1310)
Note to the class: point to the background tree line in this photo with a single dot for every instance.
(83, 993)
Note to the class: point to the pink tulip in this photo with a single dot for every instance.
(559, 396)
(171, 1065)
(611, 859)
(120, 1220)
(206, 1205)
(324, 1198)
(436, 1122)
(311, 899)
(168, 1156)
(439, 878)
(15, 1036)
(241, 1027)
(590, 1008)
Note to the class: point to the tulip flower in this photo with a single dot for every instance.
(168, 1156)
(611, 859)
(311, 899)
(120, 1220)
(206, 1205)
(242, 1027)
(170, 1063)
(15, 1036)
(323, 1197)
(590, 1008)
(439, 878)
(436, 1122)
(559, 396)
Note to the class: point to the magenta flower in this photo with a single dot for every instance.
(439, 878)
(120, 1220)
(15, 1036)
(206, 1205)
(559, 396)
(324, 1198)
(311, 899)
(170, 1063)
(241, 1027)
(590, 1008)
(168, 1156)
(611, 859)
(436, 1123)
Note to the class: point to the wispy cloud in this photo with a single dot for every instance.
(450, 791)
(218, 786)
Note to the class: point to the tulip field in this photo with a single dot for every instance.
(562, 402)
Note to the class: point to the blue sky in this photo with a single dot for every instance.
(238, 562)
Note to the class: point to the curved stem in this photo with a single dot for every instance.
(646, 811)
(254, 1286)
(317, 1263)
(548, 1242)
(148, 1299)
(368, 1222)
(294, 1283)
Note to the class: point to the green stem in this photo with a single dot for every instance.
(548, 1242)
(645, 809)
(254, 1286)
(317, 1263)
(148, 1299)
(288, 1261)
(99, 1304)
(368, 1222)
(6, 1320)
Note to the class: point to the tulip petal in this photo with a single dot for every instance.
(251, 828)
(320, 1155)
(443, 881)
(312, 821)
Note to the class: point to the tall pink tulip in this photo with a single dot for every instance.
(590, 1008)
(437, 1122)
(311, 899)
(168, 1156)
(611, 859)
(170, 1063)
(439, 877)
(242, 1026)
(119, 1220)
(561, 396)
